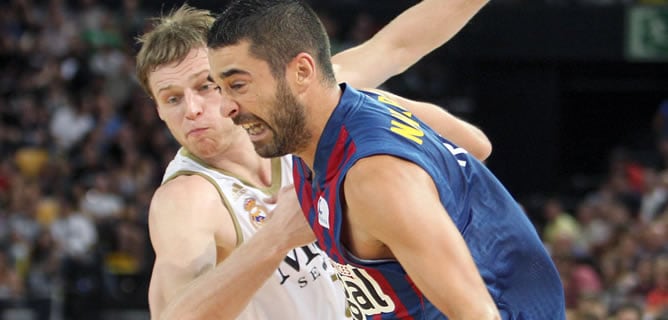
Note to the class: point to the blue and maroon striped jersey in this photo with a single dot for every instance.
(510, 256)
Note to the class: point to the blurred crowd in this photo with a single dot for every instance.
(610, 244)
(82, 150)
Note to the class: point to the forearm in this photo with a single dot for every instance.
(425, 27)
(404, 41)
(224, 292)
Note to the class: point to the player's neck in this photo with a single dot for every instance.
(242, 161)
(320, 105)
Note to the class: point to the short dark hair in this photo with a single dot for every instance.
(277, 30)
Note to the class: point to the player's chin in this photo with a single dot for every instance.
(267, 149)
(203, 148)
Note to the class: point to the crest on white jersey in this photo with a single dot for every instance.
(323, 212)
(256, 212)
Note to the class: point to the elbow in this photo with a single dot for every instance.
(483, 149)
(487, 150)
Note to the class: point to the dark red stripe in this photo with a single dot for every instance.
(306, 194)
(332, 177)
(400, 311)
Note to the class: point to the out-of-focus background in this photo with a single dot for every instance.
(572, 93)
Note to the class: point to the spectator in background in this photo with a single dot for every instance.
(591, 307)
(654, 196)
(628, 311)
(11, 286)
(43, 278)
(579, 279)
(76, 235)
(101, 202)
(657, 298)
(70, 122)
(559, 223)
(73, 232)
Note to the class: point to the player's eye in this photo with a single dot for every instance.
(173, 100)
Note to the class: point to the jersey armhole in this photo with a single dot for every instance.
(230, 211)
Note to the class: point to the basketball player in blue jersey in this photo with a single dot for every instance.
(215, 247)
(416, 227)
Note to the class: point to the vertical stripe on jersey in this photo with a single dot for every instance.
(305, 191)
(340, 155)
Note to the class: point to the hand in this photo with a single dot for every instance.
(288, 220)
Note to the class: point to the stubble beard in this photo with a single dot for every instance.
(288, 126)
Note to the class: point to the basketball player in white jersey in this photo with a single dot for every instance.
(222, 249)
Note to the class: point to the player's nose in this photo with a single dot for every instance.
(229, 108)
(193, 105)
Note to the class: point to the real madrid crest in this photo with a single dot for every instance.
(257, 212)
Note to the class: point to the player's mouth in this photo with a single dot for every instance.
(255, 130)
(196, 132)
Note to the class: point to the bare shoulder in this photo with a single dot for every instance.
(382, 192)
(187, 191)
(382, 179)
(385, 180)
(186, 204)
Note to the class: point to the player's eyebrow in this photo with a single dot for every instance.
(231, 72)
(194, 76)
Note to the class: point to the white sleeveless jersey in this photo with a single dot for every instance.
(305, 285)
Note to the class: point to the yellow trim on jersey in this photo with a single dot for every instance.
(275, 173)
(230, 211)
(276, 177)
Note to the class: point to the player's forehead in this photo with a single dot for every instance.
(194, 66)
(225, 60)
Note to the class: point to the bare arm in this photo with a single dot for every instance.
(186, 283)
(405, 40)
(454, 129)
(388, 199)
(183, 238)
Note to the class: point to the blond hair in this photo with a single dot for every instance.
(173, 36)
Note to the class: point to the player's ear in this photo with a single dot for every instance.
(303, 69)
